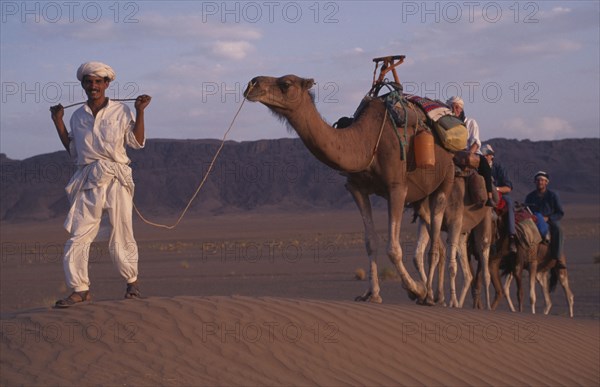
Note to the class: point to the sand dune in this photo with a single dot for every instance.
(283, 341)
(210, 318)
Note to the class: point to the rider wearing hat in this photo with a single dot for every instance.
(547, 203)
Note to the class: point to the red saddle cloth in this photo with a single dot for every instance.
(523, 214)
(501, 204)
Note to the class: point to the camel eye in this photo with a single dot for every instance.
(285, 85)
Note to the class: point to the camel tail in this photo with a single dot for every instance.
(416, 206)
(553, 278)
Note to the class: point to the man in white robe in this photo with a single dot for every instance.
(102, 183)
(473, 145)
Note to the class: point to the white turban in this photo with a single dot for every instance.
(487, 150)
(456, 100)
(97, 69)
(542, 175)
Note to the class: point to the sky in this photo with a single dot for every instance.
(525, 69)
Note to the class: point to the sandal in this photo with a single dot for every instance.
(73, 299)
(133, 291)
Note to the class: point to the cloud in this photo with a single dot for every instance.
(236, 50)
(544, 128)
(193, 27)
(560, 10)
(149, 26)
(548, 47)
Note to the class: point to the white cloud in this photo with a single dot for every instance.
(236, 50)
(556, 127)
(561, 10)
(151, 26)
(547, 47)
(544, 128)
(193, 27)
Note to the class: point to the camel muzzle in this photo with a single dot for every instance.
(250, 86)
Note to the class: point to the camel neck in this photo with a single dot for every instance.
(349, 149)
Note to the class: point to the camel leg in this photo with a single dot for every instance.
(532, 275)
(484, 253)
(494, 265)
(455, 245)
(364, 206)
(423, 231)
(467, 276)
(563, 277)
(519, 280)
(452, 270)
(395, 210)
(476, 273)
(437, 205)
(441, 299)
(475, 285)
(482, 239)
(542, 278)
(422, 241)
(507, 283)
(486, 276)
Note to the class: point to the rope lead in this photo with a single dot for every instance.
(210, 167)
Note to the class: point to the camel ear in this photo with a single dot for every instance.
(308, 83)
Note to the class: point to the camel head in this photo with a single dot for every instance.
(282, 95)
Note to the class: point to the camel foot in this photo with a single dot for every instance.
(369, 297)
(547, 309)
(454, 303)
(412, 296)
(363, 298)
(419, 292)
(424, 302)
(495, 304)
(428, 301)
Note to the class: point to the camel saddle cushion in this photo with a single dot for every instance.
(466, 160)
(528, 234)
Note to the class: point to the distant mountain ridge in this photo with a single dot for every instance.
(273, 175)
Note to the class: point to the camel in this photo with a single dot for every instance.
(540, 265)
(375, 160)
(543, 269)
(461, 218)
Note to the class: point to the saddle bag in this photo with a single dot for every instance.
(476, 188)
(466, 159)
(452, 133)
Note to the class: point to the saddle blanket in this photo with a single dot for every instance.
(434, 109)
(450, 130)
(528, 234)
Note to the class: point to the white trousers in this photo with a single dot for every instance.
(87, 210)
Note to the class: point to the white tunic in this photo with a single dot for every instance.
(98, 148)
(101, 184)
(473, 138)
(103, 137)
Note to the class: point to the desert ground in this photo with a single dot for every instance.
(266, 298)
